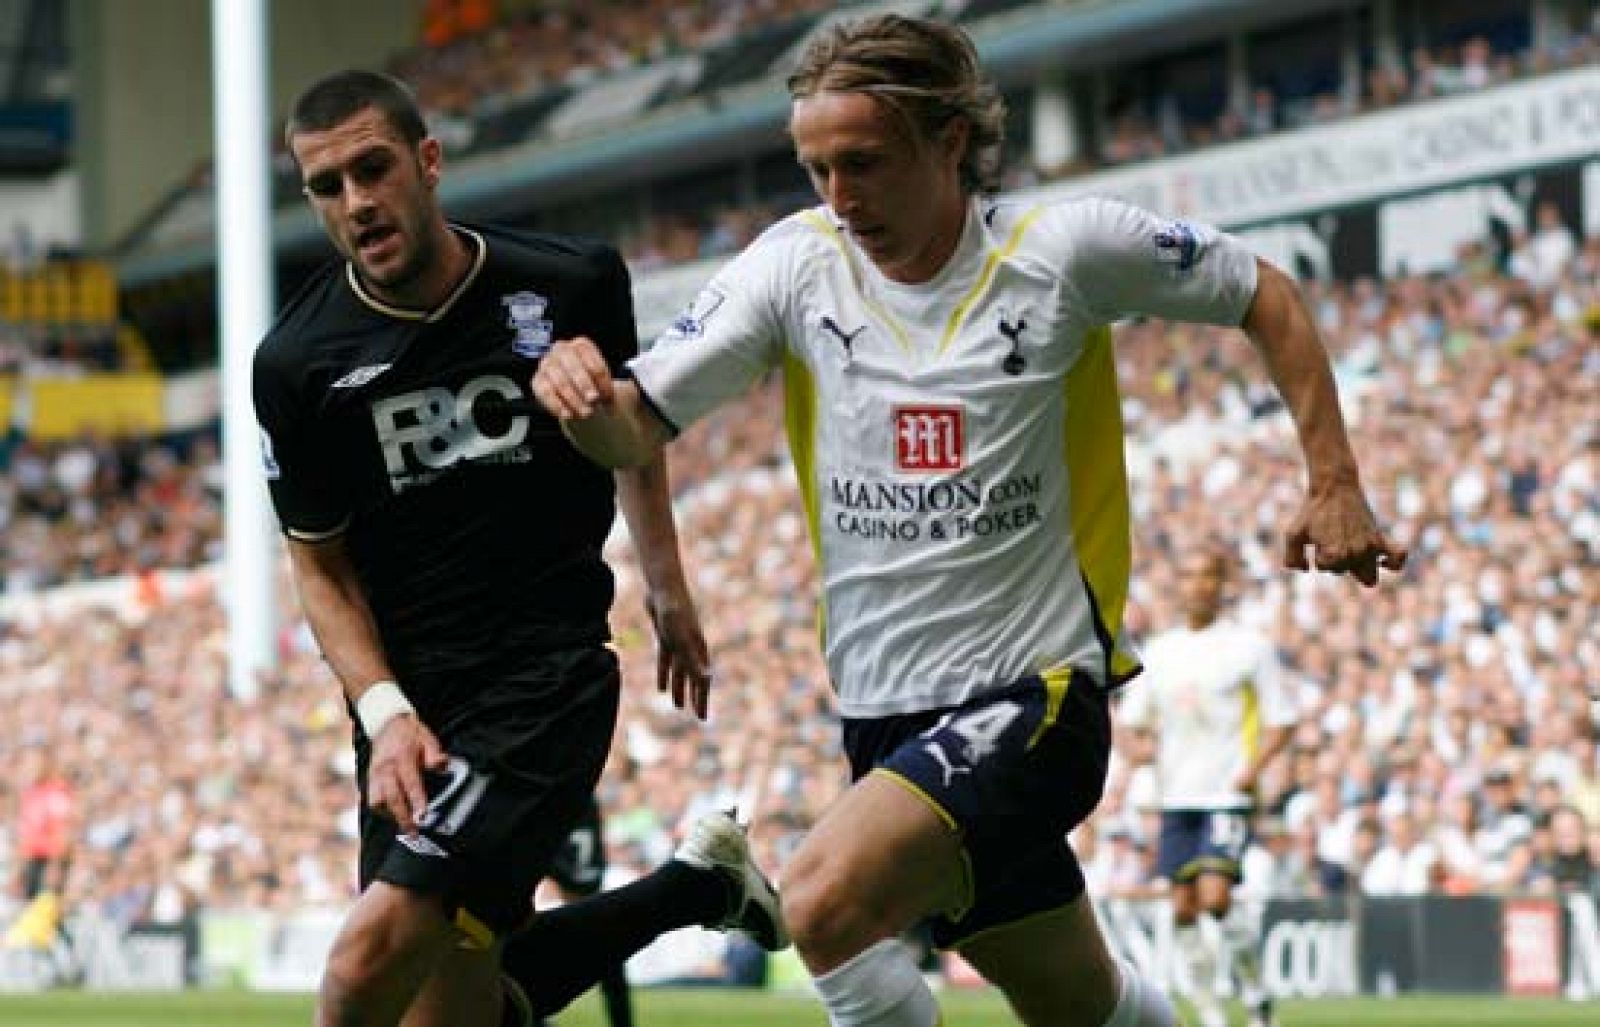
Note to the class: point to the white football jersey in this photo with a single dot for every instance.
(1208, 695)
(959, 442)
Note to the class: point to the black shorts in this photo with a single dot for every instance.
(580, 867)
(525, 757)
(1012, 772)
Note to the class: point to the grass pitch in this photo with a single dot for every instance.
(661, 1008)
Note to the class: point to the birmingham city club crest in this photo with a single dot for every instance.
(525, 316)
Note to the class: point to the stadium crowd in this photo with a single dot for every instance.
(1450, 720)
(518, 52)
(1141, 127)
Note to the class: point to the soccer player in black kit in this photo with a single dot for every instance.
(445, 540)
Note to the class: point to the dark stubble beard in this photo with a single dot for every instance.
(409, 271)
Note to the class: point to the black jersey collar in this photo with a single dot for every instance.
(410, 313)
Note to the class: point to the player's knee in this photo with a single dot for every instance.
(345, 979)
(356, 971)
(828, 921)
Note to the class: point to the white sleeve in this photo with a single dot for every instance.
(1278, 708)
(721, 343)
(1122, 261)
(1136, 707)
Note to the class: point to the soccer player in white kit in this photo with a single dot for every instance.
(1213, 695)
(953, 415)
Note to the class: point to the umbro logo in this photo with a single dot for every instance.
(422, 845)
(361, 376)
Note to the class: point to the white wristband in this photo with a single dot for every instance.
(380, 703)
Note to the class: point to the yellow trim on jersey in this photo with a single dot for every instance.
(1250, 722)
(821, 224)
(990, 264)
(800, 422)
(1056, 682)
(1098, 476)
(968, 889)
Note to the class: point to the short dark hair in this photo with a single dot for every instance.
(334, 99)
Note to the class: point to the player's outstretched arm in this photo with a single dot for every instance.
(402, 746)
(605, 418)
(1335, 523)
(683, 668)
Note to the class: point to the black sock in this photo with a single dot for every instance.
(565, 951)
(619, 1005)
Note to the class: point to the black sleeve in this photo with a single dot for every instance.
(305, 491)
(610, 308)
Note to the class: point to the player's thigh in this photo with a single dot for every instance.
(463, 991)
(1185, 901)
(1054, 968)
(880, 858)
(1214, 891)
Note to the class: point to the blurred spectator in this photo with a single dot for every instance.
(1405, 864)
(1573, 866)
(45, 822)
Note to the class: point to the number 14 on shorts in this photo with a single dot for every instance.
(979, 733)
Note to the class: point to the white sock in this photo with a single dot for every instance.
(1140, 1003)
(1217, 954)
(880, 987)
(1242, 943)
(1198, 972)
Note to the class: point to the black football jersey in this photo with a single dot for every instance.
(474, 524)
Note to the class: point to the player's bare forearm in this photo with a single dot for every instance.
(342, 621)
(683, 666)
(337, 611)
(1284, 334)
(606, 419)
(646, 502)
(1335, 531)
(622, 432)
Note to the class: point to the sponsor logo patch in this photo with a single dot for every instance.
(929, 438)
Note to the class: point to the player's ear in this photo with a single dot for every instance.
(431, 156)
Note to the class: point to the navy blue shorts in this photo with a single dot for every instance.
(1195, 842)
(525, 759)
(1012, 772)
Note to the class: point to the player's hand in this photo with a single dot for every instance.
(1343, 536)
(401, 752)
(683, 663)
(573, 379)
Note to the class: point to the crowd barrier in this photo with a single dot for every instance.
(1311, 948)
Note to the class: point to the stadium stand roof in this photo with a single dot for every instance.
(1018, 41)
